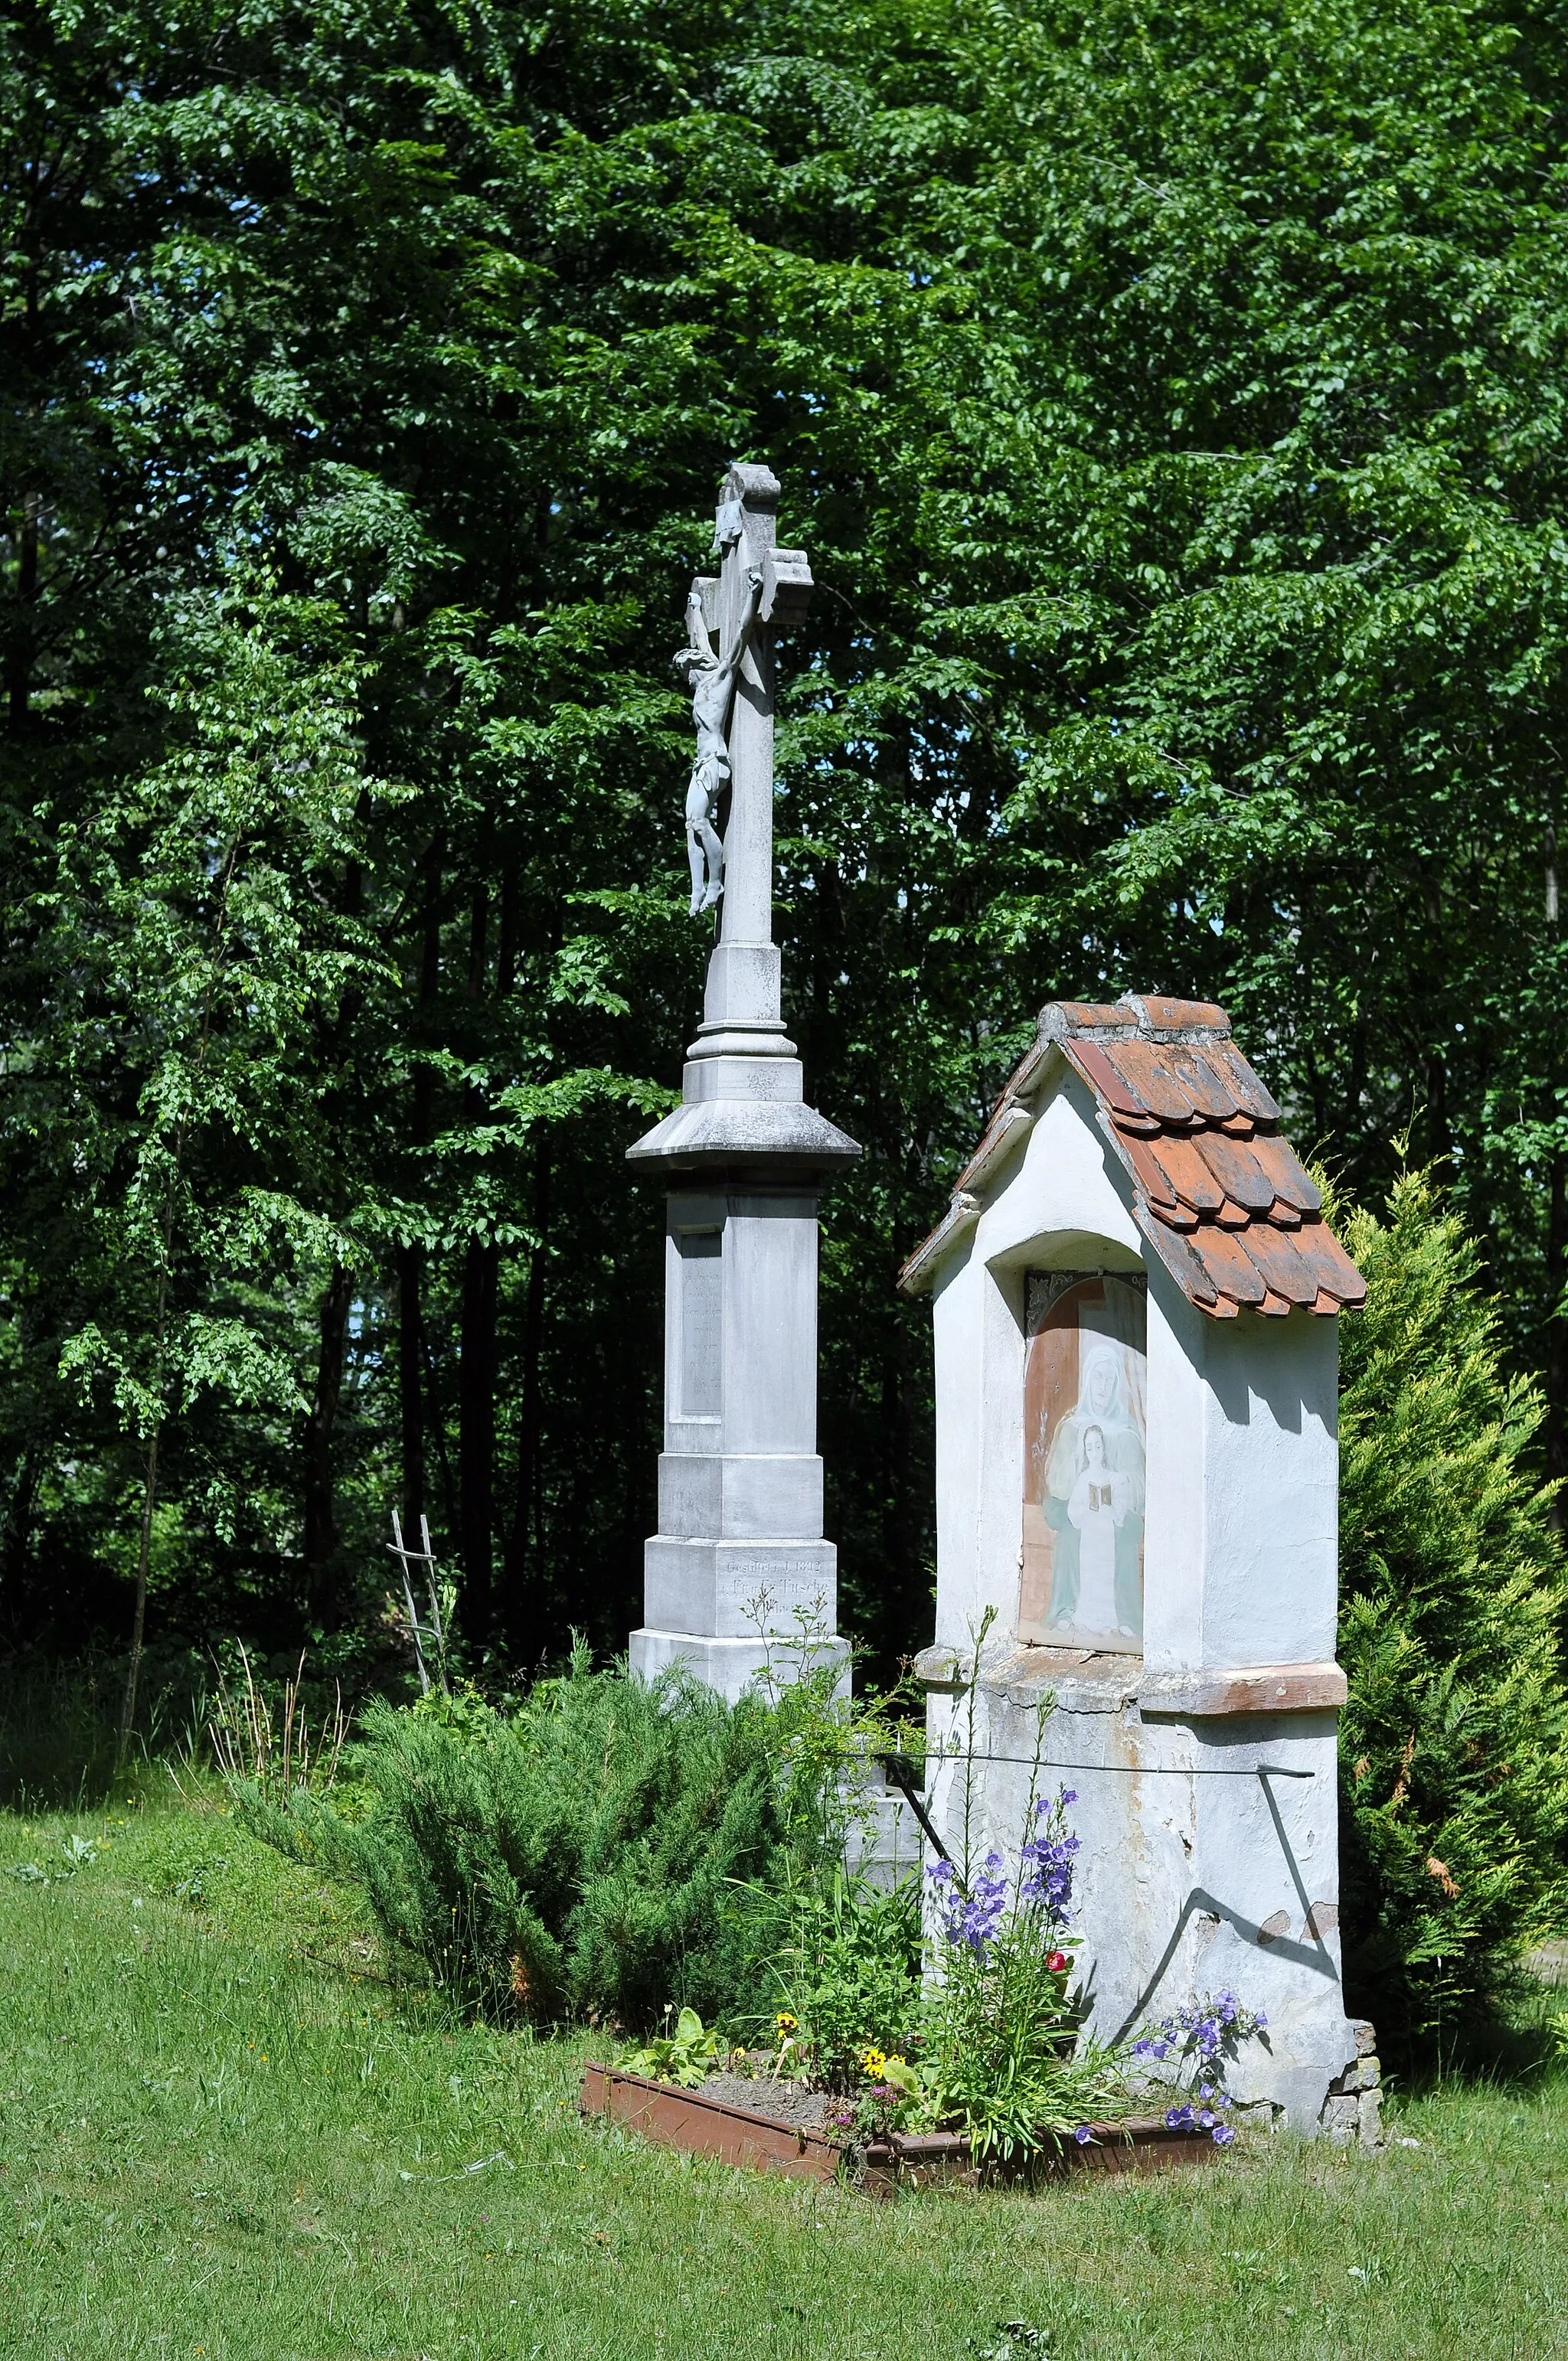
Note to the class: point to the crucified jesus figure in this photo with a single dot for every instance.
(711, 679)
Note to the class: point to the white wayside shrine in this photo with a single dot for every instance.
(739, 1567)
(1134, 1300)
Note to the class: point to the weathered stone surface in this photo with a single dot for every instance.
(1249, 1689)
(1182, 1861)
(732, 1666)
(1353, 2108)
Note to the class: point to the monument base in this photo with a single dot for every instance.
(733, 1667)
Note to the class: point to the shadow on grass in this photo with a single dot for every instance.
(1517, 2041)
(59, 1727)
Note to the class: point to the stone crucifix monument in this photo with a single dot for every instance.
(739, 1569)
(1135, 1300)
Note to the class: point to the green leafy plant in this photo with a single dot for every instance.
(847, 1974)
(682, 2054)
(585, 1852)
(77, 1853)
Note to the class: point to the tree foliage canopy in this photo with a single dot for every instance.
(1171, 403)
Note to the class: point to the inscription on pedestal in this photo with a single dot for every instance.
(702, 1333)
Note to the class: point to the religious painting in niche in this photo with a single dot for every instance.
(1084, 1431)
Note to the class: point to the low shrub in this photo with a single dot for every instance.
(580, 1855)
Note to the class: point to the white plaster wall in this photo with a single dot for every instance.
(1271, 1483)
(961, 1422)
(1194, 1874)
(1175, 1525)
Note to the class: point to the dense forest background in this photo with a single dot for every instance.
(1172, 401)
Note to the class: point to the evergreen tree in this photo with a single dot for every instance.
(1455, 1743)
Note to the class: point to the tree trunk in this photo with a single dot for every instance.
(528, 1623)
(1556, 1370)
(413, 1344)
(476, 1432)
(1557, 1334)
(1440, 1139)
(19, 1519)
(411, 1388)
(321, 1528)
(139, 1619)
(435, 1421)
(477, 1366)
(19, 687)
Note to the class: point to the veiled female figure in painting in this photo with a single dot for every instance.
(1103, 1412)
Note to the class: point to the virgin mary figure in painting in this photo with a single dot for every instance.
(1097, 1506)
(1095, 1465)
(1082, 1565)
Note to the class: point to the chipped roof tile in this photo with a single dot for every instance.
(1175, 1250)
(1227, 1265)
(1290, 1177)
(1218, 1191)
(1250, 1096)
(1179, 1015)
(1149, 1174)
(1239, 1169)
(1150, 1076)
(1105, 1080)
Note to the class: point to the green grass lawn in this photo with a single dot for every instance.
(225, 2136)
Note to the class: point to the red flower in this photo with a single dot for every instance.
(1056, 1962)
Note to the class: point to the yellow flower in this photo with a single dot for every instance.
(873, 2063)
(784, 2022)
(894, 2061)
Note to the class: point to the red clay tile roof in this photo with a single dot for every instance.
(1218, 1191)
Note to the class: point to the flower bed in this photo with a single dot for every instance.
(675, 2117)
(741, 2130)
(962, 2047)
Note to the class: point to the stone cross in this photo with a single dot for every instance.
(738, 1565)
(758, 589)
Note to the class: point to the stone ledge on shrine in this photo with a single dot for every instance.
(1245, 1688)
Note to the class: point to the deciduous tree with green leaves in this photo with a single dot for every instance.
(1171, 400)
